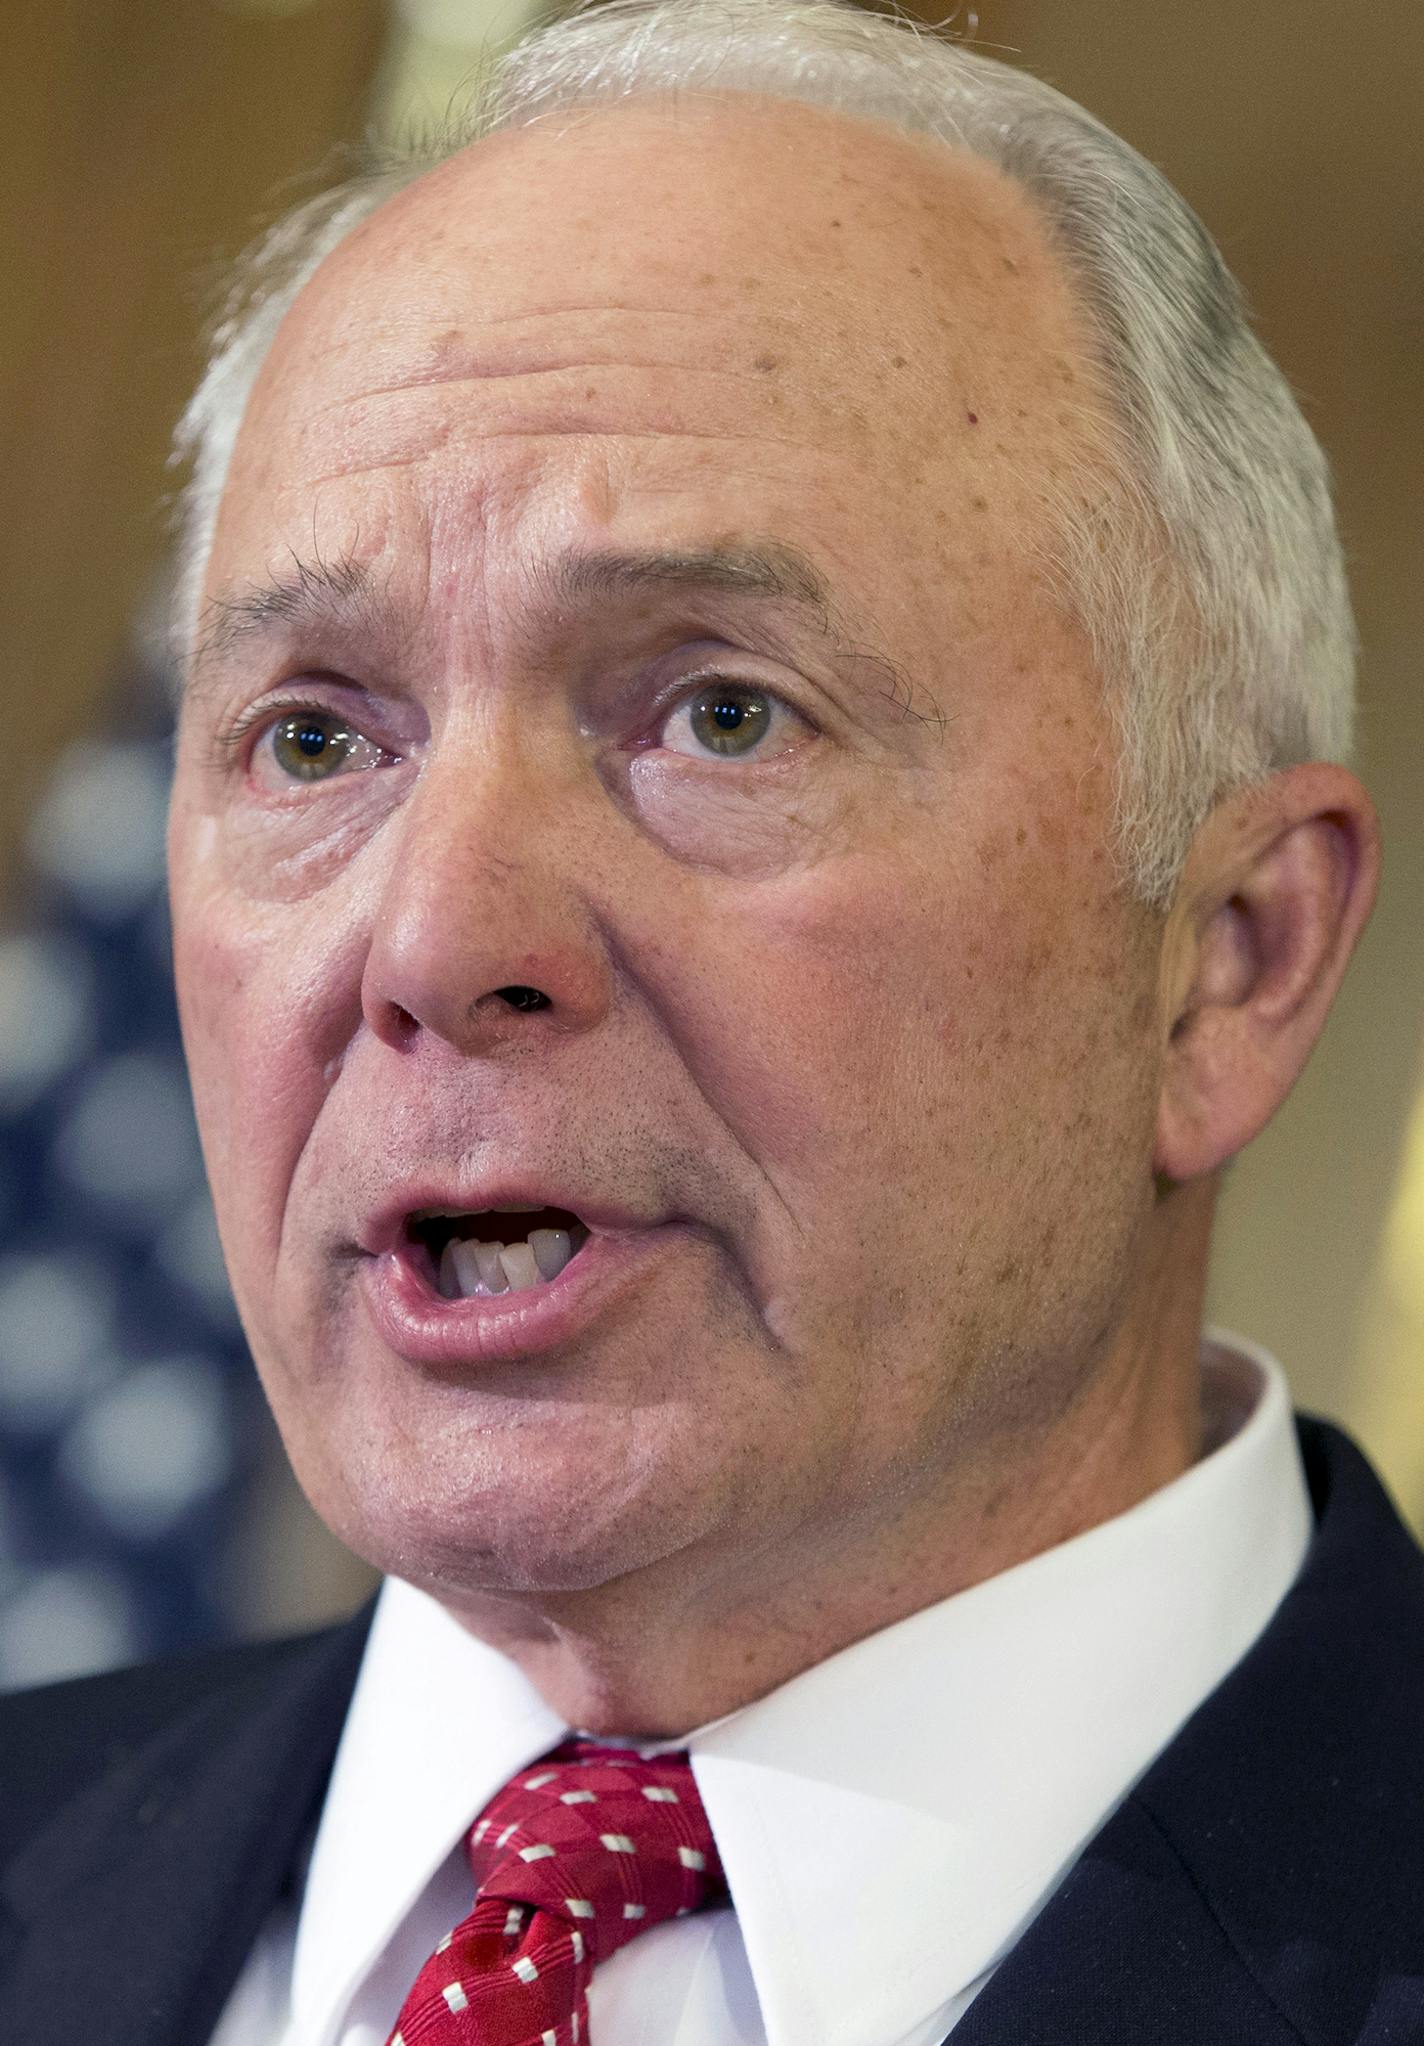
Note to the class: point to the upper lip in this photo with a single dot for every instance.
(386, 1226)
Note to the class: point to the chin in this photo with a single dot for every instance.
(549, 1539)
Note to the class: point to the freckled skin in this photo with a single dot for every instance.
(873, 1014)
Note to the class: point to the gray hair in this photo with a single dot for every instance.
(1212, 588)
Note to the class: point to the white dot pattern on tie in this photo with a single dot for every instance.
(516, 1971)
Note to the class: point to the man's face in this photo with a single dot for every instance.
(651, 499)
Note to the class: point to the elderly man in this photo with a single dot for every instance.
(758, 817)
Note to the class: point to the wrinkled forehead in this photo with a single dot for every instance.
(883, 270)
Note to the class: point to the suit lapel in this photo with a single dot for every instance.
(1127, 1953)
(1261, 1884)
(136, 1905)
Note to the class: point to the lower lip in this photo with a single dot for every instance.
(421, 1325)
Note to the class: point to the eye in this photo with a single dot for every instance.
(313, 745)
(728, 720)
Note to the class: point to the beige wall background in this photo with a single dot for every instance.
(142, 139)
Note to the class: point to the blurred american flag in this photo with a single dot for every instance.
(130, 1422)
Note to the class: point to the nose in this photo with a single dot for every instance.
(482, 936)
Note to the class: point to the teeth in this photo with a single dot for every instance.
(461, 1255)
(459, 1274)
(519, 1266)
(468, 1267)
(552, 1250)
(492, 1272)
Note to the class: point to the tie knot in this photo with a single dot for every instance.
(599, 1837)
(577, 1855)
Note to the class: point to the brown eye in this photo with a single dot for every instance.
(730, 720)
(727, 718)
(312, 746)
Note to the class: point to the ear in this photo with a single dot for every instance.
(1277, 888)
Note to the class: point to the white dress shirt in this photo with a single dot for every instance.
(890, 1821)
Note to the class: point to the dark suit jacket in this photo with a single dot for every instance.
(1263, 1884)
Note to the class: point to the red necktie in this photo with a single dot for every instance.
(575, 1857)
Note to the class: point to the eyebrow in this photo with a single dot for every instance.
(763, 571)
(319, 592)
(308, 593)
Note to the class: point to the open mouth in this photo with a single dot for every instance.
(496, 1250)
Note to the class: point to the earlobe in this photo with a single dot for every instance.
(1278, 886)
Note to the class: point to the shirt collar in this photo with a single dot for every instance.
(967, 1754)
(438, 1723)
(963, 1756)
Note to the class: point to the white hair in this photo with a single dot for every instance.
(1211, 584)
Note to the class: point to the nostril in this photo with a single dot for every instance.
(523, 997)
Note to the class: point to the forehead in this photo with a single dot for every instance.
(727, 197)
(739, 313)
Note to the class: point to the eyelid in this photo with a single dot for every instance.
(723, 674)
(228, 740)
(270, 710)
(234, 747)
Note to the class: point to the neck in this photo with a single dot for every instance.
(726, 1636)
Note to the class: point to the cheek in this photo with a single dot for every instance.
(841, 995)
(933, 1039)
(267, 998)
